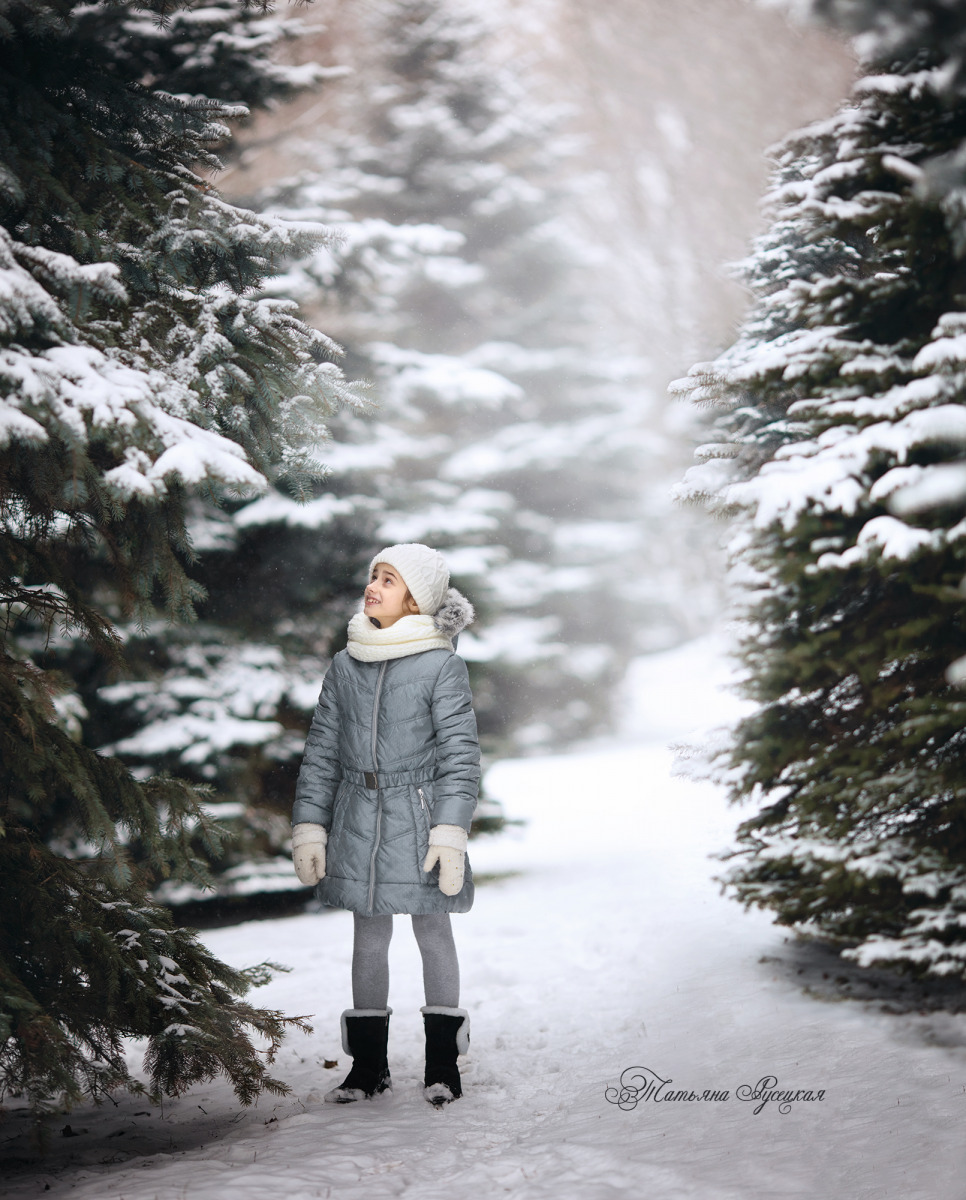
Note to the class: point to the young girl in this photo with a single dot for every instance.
(383, 806)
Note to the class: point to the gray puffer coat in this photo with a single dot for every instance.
(392, 751)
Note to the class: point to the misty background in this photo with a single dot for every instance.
(534, 207)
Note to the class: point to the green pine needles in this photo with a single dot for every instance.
(138, 366)
(842, 431)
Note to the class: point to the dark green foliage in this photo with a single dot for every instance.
(138, 367)
(843, 427)
(86, 960)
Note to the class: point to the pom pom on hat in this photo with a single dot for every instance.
(424, 572)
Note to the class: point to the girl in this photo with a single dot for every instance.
(383, 806)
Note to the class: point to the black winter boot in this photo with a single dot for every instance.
(365, 1035)
(447, 1035)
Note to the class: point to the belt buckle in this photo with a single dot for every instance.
(372, 780)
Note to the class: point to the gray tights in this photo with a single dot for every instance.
(370, 959)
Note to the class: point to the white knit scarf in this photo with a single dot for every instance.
(409, 635)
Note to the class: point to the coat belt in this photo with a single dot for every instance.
(373, 781)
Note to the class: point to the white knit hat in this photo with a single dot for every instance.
(424, 572)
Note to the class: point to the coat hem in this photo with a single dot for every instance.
(396, 898)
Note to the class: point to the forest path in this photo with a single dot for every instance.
(611, 948)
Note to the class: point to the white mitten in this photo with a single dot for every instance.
(308, 852)
(447, 846)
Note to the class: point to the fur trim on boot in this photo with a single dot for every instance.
(447, 1035)
(454, 614)
(365, 1036)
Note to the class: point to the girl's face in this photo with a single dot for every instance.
(387, 598)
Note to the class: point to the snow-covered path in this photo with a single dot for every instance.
(610, 948)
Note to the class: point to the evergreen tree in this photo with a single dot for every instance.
(137, 368)
(842, 435)
(503, 435)
(509, 433)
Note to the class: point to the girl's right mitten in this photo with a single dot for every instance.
(308, 852)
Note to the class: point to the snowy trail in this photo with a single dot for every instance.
(611, 948)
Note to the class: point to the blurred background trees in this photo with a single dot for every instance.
(533, 206)
(533, 203)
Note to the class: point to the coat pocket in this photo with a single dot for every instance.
(338, 810)
(422, 817)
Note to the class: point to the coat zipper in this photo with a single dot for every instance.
(375, 768)
(422, 798)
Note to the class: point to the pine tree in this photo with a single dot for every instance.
(138, 368)
(508, 432)
(502, 435)
(842, 433)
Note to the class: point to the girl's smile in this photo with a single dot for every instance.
(386, 597)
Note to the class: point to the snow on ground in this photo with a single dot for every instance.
(602, 945)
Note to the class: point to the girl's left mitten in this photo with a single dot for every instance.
(447, 846)
(308, 852)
